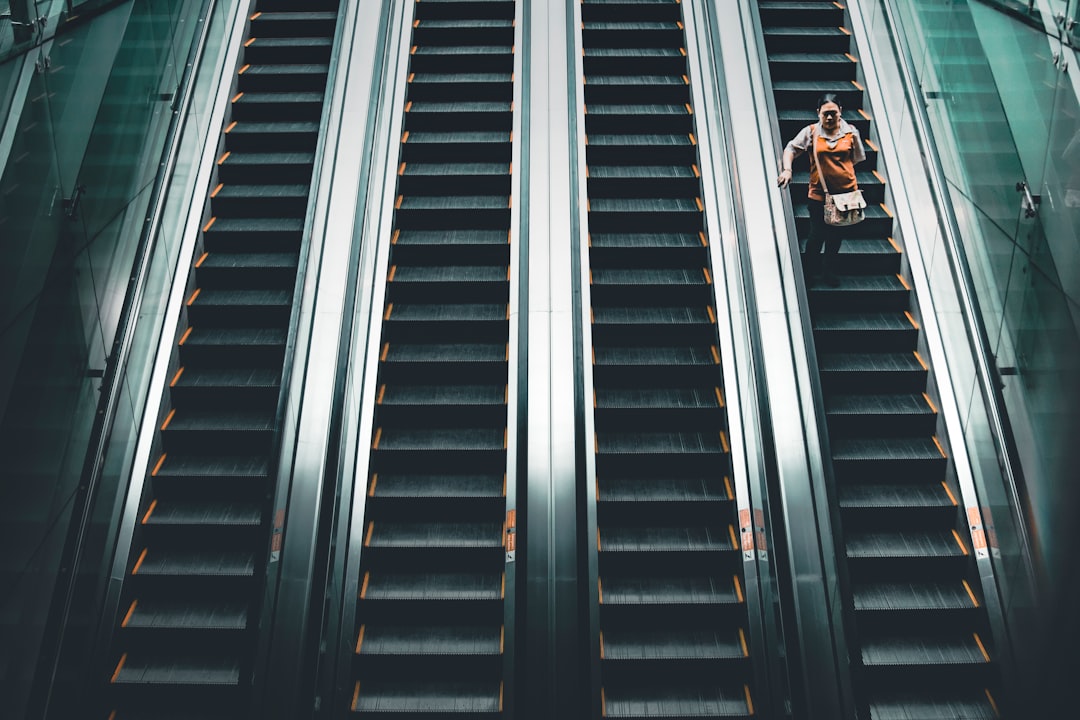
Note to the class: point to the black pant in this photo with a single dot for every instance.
(821, 233)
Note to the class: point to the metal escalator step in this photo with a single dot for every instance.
(914, 650)
(664, 539)
(390, 485)
(459, 439)
(210, 670)
(802, 94)
(282, 77)
(652, 53)
(794, 39)
(433, 395)
(454, 171)
(872, 372)
(874, 496)
(240, 308)
(291, 136)
(418, 699)
(812, 60)
(221, 467)
(444, 50)
(154, 614)
(656, 110)
(248, 168)
(660, 590)
(450, 274)
(264, 50)
(926, 595)
(431, 640)
(867, 292)
(298, 106)
(461, 137)
(670, 25)
(664, 140)
(652, 357)
(264, 200)
(873, 449)
(224, 378)
(432, 586)
(676, 702)
(293, 24)
(975, 705)
(187, 564)
(236, 337)
(891, 415)
(904, 544)
(660, 443)
(652, 316)
(649, 277)
(454, 202)
(438, 353)
(249, 271)
(641, 172)
(659, 398)
(629, 645)
(661, 489)
(434, 535)
(209, 513)
(254, 234)
(429, 238)
(456, 313)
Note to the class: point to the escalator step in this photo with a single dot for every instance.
(655, 356)
(283, 168)
(660, 490)
(934, 650)
(933, 706)
(450, 274)
(438, 486)
(669, 645)
(178, 466)
(665, 539)
(652, 278)
(427, 395)
(670, 443)
(662, 316)
(264, 50)
(164, 615)
(442, 440)
(905, 544)
(451, 237)
(432, 586)
(182, 672)
(675, 702)
(181, 564)
(868, 495)
(857, 449)
(204, 513)
(429, 640)
(667, 140)
(926, 595)
(438, 353)
(658, 398)
(295, 136)
(659, 590)
(433, 535)
(418, 700)
(405, 313)
(282, 77)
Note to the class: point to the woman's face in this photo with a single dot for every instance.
(830, 115)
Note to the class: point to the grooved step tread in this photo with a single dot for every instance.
(659, 590)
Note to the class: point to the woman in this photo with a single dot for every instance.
(839, 147)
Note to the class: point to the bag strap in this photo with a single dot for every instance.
(813, 144)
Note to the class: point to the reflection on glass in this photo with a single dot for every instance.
(74, 189)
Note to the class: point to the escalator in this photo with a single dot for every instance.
(430, 634)
(919, 635)
(672, 610)
(184, 641)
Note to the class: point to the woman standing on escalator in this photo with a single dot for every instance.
(834, 146)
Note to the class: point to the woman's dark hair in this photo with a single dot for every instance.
(827, 98)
